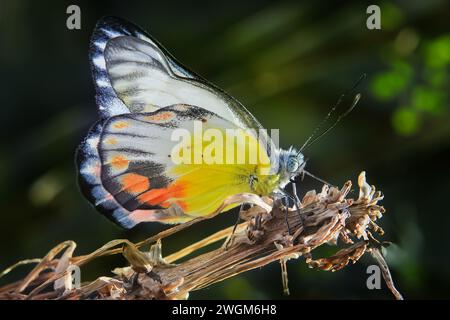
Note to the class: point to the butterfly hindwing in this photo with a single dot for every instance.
(90, 181)
(98, 176)
(133, 179)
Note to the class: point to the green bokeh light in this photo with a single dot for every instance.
(437, 52)
(405, 121)
(428, 99)
(388, 84)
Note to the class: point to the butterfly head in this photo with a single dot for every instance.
(292, 163)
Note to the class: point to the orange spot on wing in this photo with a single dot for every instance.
(120, 125)
(161, 117)
(119, 162)
(135, 183)
(111, 141)
(163, 197)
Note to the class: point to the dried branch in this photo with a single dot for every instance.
(325, 217)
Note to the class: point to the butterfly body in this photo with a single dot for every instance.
(129, 166)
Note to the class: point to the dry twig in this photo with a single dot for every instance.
(324, 217)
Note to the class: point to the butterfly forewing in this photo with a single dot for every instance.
(151, 77)
(143, 95)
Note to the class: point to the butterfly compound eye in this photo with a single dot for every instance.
(292, 164)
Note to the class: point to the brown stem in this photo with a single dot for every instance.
(263, 238)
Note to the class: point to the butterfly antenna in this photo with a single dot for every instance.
(318, 179)
(309, 141)
(352, 106)
(319, 126)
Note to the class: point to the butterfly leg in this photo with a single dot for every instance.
(286, 212)
(296, 200)
(294, 192)
(231, 237)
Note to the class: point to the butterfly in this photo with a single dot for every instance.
(125, 165)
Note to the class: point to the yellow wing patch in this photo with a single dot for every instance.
(207, 184)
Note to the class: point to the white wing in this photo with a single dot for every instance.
(133, 73)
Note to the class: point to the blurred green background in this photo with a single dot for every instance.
(288, 62)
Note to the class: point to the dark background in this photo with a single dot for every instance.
(288, 62)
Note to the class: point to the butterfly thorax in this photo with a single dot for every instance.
(264, 185)
(289, 164)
